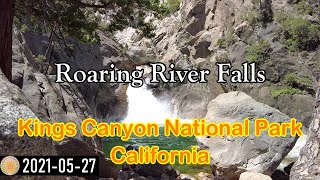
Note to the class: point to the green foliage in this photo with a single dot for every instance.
(299, 82)
(24, 28)
(259, 52)
(172, 6)
(253, 17)
(298, 33)
(103, 26)
(77, 19)
(40, 59)
(289, 90)
(227, 40)
(303, 7)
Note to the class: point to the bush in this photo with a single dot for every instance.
(173, 5)
(168, 7)
(298, 33)
(304, 8)
(24, 28)
(298, 82)
(289, 90)
(252, 17)
(259, 52)
(40, 59)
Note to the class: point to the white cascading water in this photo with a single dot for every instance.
(144, 107)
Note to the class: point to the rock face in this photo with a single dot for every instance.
(40, 97)
(13, 105)
(51, 101)
(204, 32)
(105, 100)
(230, 156)
(308, 164)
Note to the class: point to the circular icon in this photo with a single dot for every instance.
(10, 165)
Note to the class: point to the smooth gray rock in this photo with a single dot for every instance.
(230, 156)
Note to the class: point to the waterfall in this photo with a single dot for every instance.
(144, 107)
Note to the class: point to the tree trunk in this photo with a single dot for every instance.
(308, 164)
(6, 22)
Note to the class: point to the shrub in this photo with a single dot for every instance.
(173, 5)
(298, 33)
(289, 90)
(168, 7)
(304, 8)
(259, 52)
(252, 17)
(24, 28)
(298, 82)
(40, 59)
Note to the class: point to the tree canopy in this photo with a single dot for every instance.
(77, 18)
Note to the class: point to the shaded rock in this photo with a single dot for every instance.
(254, 176)
(279, 175)
(293, 155)
(230, 156)
(202, 49)
(75, 147)
(288, 168)
(244, 31)
(266, 11)
(100, 97)
(195, 14)
(156, 170)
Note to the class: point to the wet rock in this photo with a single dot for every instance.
(230, 156)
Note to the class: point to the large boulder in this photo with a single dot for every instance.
(230, 156)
